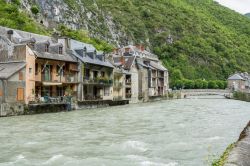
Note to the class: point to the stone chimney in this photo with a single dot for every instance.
(140, 47)
(94, 55)
(122, 60)
(10, 34)
(65, 42)
(85, 51)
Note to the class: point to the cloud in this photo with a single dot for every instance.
(241, 6)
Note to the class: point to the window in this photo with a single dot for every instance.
(30, 70)
(60, 50)
(106, 91)
(36, 68)
(95, 74)
(20, 75)
(20, 94)
(103, 74)
(87, 73)
(46, 48)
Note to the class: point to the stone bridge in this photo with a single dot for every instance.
(204, 92)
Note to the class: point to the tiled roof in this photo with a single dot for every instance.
(236, 76)
(157, 66)
(9, 68)
(96, 61)
(129, 62)
(60, 57)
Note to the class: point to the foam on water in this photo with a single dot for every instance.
(215, 138)
(54, 158)
(135, 145)
(150, 163)
(20, 157)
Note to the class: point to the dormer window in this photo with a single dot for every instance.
(60, 50)
(46, 48)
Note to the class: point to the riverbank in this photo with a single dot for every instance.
(243, 96)
(16, 109)
(237, 153)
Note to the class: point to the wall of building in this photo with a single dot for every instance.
(134, 84)
(237, 84)
(13, 83)
(30, 76)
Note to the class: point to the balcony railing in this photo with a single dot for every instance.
(66, 78)
(97, 80)
(70, 78)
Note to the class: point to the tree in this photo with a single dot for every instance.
(34, 9)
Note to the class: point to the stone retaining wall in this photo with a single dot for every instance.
(240, 154)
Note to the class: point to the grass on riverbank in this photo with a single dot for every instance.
(221, 161)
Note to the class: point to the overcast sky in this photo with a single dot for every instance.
(241, 6)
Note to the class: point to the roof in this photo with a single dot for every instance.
(157, 66)
(236, 76)
(60, 57)
(129, 62)
(9, 68)
(96, 61)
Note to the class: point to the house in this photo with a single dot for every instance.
(13, 82)
(96, 73)
(239, 81)
(51, 73)
(149, 78)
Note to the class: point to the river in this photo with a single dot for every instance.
(188, 132)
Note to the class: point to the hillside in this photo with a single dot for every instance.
(199, 38)
(248, 15)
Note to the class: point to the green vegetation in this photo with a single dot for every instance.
(221, 161)
(248, 15)
(198, 84)
(241, 96)
(34, 9)
(209, 41)
(83, 36)
(10, 16)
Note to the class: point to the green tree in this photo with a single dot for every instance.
(34, 9)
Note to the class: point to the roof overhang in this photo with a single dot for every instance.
(52, 83)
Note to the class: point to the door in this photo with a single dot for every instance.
(47, 73)
(20, 94)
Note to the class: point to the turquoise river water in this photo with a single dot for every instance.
(188, 132)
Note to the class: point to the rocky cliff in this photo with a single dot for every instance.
(194, 38)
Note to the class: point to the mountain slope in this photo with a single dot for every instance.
(200, 38)
(247, 14)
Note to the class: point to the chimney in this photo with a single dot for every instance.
(140, 47)
(84, 51)
(94, 55)
(65, 42)
(10, 34)
(122, 60)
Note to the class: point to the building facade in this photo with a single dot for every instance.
(40, 69)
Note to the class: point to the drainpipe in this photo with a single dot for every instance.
(4, 83)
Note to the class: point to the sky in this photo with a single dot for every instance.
(241, 6)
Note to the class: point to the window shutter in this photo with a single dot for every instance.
(20, 94)
(20, 75)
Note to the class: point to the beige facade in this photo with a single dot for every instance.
(97, 82)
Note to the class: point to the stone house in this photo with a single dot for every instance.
(239, 81)
(96, 73)
(150, 78)
(13, 82)
(50, 72)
